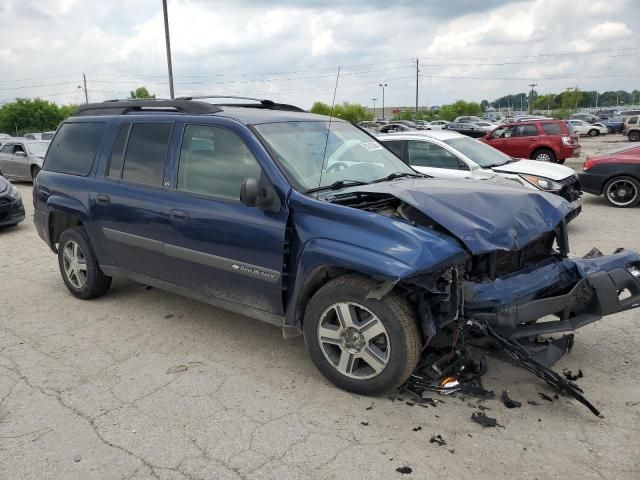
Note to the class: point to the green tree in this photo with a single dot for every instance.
(31, 115)
(460, 107)
(141, 92)
(352, 112)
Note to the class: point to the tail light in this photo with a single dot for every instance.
(567, 141)
(588, 163)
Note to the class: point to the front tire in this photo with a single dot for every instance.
(634, 136)
(622, 192)
(362, 345)
(544, 155)
(79, 266)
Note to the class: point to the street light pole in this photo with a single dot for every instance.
(383, 85)
(84, 88)
(168, 45)
(531, 85)
(374, 107)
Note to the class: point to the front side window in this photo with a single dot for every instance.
(351, 155)
(146, 153)
(214, 161)
(526, 131)
(425, 154)
(74, 148)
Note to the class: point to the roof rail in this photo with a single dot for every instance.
(262, 103)
(122, 107)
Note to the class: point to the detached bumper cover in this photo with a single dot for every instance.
(578, 291)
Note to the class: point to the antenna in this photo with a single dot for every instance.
(326, 140)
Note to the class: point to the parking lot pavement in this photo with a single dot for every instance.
(142, 384)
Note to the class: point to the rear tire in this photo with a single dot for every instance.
(622, 192)
(634, 136)
(79, 266)
(544, 155)
(594, 133)
(344, 331)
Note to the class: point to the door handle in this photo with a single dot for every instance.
(102, 199)
(179, 215)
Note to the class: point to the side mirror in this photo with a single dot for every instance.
(20, 154)
(254, 193)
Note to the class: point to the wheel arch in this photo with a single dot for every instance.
(61, 218)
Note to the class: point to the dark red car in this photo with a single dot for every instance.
(615, 175)
(544, 140)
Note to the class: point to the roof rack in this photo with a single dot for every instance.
(122, 107)
(262, 103)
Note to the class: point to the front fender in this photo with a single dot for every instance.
(323, 254)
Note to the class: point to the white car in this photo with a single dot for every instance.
(486, 126)
(581, 127)
(447, 154)
(437, 125)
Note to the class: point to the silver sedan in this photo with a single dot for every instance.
(21, 159)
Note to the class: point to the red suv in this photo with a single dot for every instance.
(545, 140)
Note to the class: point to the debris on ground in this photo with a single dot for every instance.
(178, 369)
(370, 407)
(437, 439)
(569, 375)
(482, 419)
(509, 402)
(546, 397)
(533, 402)
(404, 470)
(77, 458)
(478, 406)
(364, 424)
(171, 315)
(417, 429)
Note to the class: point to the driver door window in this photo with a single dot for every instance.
(425, 154)
(214, 161)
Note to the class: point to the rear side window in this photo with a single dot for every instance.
(528, 131)
(146, 153)
(632, 121)
(552, 129)
(74, 148)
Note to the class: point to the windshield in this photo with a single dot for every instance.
(482, 154)
(352, 155)
(38, 148)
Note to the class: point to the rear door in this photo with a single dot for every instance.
(6, 165)
(130, 205)
(223, 248)
(521, 140)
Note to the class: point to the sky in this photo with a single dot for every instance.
(290, 51)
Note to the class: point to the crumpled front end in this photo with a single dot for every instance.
(578, 291)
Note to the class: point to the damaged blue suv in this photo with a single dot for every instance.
(312, 225)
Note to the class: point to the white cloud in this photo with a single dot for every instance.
(239, 47)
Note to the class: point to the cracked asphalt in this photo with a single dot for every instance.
(143, 384)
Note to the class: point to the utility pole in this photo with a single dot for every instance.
(417, 80)
(84, 88)
(531, 85)
(597, 93)
(168, 44)
(383, 85)
(374, 107)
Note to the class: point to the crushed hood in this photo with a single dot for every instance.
(552, 171)
(482, 215)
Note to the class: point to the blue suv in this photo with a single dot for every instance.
(311, 224)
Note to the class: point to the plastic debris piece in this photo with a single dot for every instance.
(508, 402)
(482, 419)
(404, 470)
(417, 429)
(547, 397)
(533, 402)
(178, 369)
(437, 439)
(364, 424)
(569, 375)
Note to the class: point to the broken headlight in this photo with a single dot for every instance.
(542, 183)
(634, 270)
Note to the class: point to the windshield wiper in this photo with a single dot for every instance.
(394, 175)
(337, 185)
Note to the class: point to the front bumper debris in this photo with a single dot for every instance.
(577, 291)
